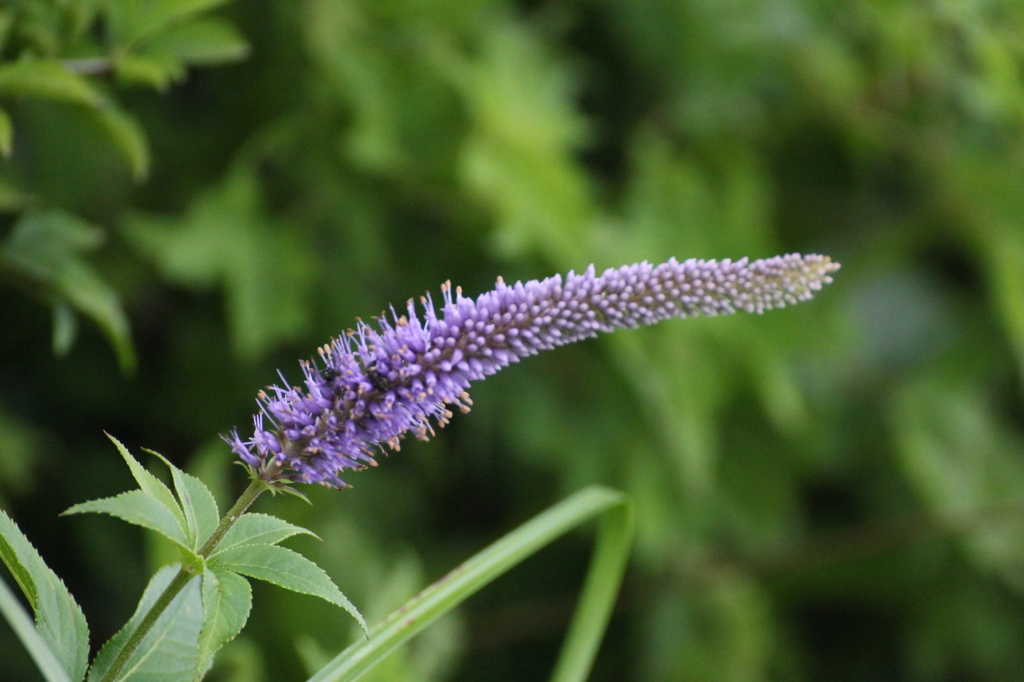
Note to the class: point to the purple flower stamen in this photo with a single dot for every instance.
(378, 384)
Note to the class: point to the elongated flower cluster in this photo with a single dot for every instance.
(374, 385)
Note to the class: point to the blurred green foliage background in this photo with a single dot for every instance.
(195, 195)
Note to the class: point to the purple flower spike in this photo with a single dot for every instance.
(375, 385)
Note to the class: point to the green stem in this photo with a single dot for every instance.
(244, 501)
(254, 490)
(165, 599)
(614, 540)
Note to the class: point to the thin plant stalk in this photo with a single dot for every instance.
(594, 610)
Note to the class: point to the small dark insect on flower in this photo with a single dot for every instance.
(330, 423)
(379, 381)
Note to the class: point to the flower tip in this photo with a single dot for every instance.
(394, 380)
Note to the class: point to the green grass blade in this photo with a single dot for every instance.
(26, 631)
(465, 580)
(614, 539)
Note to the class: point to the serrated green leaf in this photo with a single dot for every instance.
(287, 569)
(59, 619)
(6, 134)
(151, 485)
(210, 466)
(139, 508)
(202, 504)
(168, 652)
(22, 626)
(128, 136)
(258, 529)
(227, 601)
(11, 558)
(197, 502)
(46, 79)
(45, 253)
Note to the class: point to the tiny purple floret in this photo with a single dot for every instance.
(374, 385)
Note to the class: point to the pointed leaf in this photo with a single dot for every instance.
(59, 619)
(22, 625)
(156, 71)
(46, 79)
(286, 569)
(168, 652)
(141, 509)
(197, 502)
(128, 136)
(288, 490)
(45, 253)
(203, 506)
(11, 539)
(210, 466)
(204, 41)
(259, 529)
(42, 241)
(83, 288)
(227, 600)
(151, 484)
